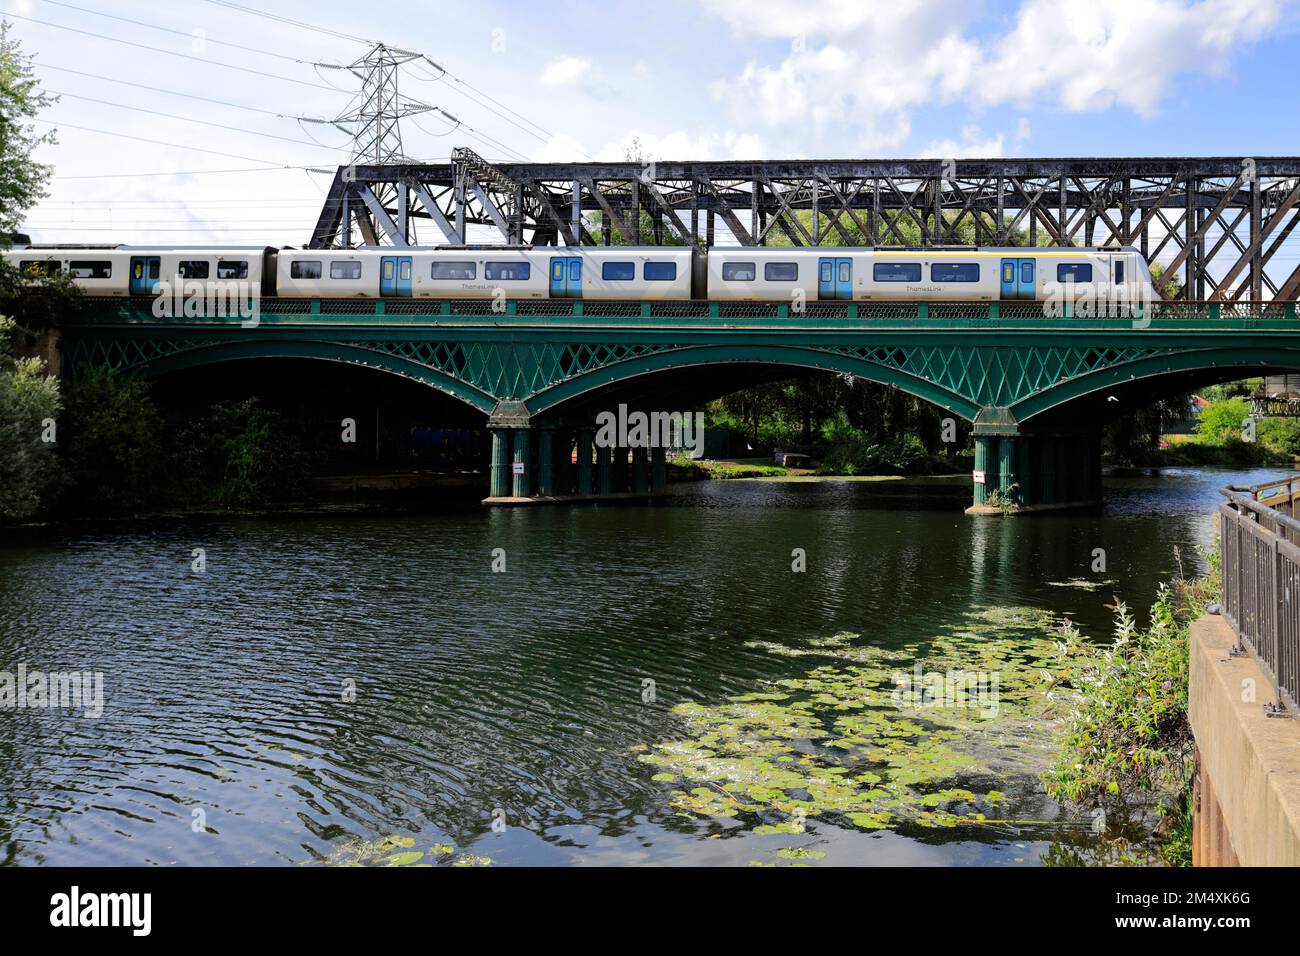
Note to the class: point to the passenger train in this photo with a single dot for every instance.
(935, 274)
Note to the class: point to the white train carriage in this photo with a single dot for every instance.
(628, 273)
(141, 270)
(923, 275)
(468, 273)
(405, 273)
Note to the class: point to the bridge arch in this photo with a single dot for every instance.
(321, 351)
(1233, 362)
(790, 356)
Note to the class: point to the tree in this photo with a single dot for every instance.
(22, 179)
(29, 409)
(23, 184)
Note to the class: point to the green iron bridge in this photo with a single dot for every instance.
(1036, 389)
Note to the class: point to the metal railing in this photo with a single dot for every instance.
(1259, 538)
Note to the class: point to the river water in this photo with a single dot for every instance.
(334, 679)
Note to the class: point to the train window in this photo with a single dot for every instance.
(896, 272)
(1119, 271)
(91, 270)
(506, 270)
(232, 269)
(304, 269)
(453, 270)
(192, 268)
(404, 269)
(738, 272)
(781, 271)
(345, 270)
(1074, 272)
(660, 271)
(955, 272)
(618, 271)
(37, 267)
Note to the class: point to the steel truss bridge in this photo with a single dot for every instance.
(1036, 389)
(1215, 223)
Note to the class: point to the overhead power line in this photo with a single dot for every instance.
(190, 119)
(203, 37)
(198, 149)
(189, 96)
(291, 21)
(183, 56)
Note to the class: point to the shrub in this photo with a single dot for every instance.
(29, 470)
(111, 443)
(1128, 745)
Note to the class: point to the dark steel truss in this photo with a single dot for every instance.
(1215, 223)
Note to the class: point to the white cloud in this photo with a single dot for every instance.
(971, 146)
(851, 66)
(1092, 54)
(565, 71)
(677, 145)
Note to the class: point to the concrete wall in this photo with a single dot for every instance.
(1248, 764)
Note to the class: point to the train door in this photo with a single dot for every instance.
(566, 277)
(834, 278)
(145, 272)
(1018, 279)
(395, 276)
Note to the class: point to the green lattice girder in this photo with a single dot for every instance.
(544, 363)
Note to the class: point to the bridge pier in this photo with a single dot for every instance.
(1019, 470)
(584, 461)
(521, 484)
(658, 468)
(546, 460)
(604, 470)
(640, 478)
(499, 472)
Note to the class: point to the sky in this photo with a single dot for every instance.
(199, 122)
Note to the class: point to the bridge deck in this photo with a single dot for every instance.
(1208, 316)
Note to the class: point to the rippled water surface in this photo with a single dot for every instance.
(226, 692)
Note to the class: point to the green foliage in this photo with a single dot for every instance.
(1279, 435)
(1128, 746)
(22, 179)
(902, 454)
(112, 443)
(1221, 421)
(1166, 288)
(238, 453)
(29, 402)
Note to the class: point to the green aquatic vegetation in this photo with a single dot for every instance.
(800, 853)
(399, 851)
(876, 737)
